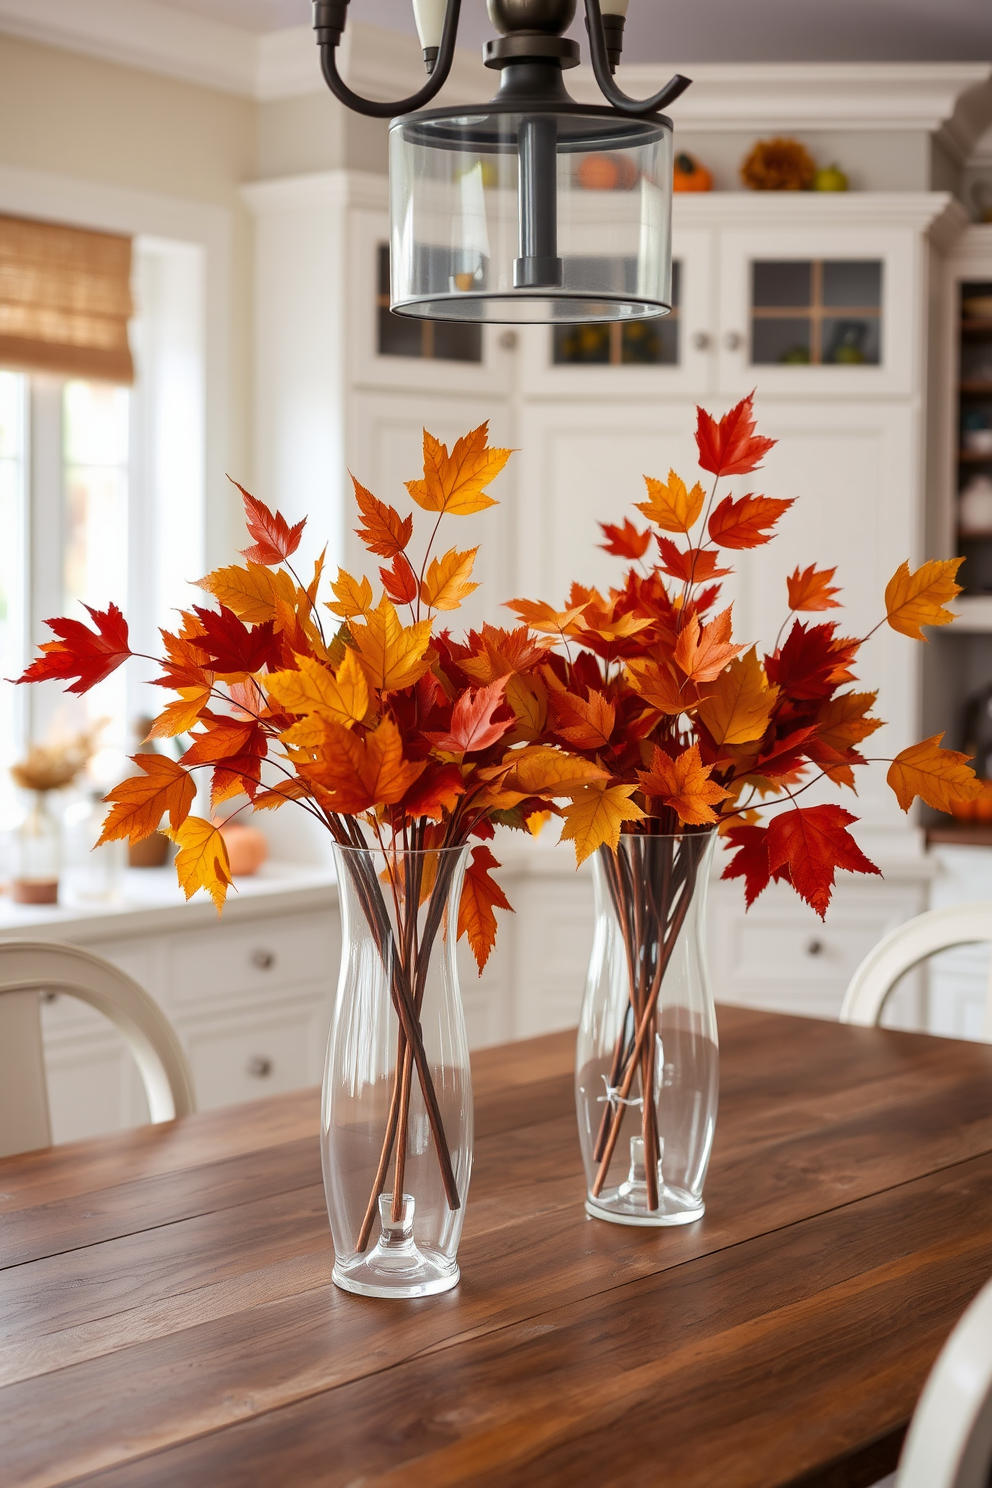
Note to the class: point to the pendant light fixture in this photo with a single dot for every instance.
(530, 207)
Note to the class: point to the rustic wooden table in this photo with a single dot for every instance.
(167, 1315)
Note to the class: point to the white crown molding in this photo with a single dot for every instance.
(335, 188)
(926, 211)
(277, 64)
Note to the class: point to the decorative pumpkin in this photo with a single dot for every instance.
(978, 810)
(247, 848)
(779, 165)
(607, 173)
(689, 175)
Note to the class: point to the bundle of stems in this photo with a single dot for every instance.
(404, 945)
(651, 880)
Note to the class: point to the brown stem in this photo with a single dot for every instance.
(649, 1124)
(401, 1134)
(387, 1147)
(646, 1019)
(612, 874)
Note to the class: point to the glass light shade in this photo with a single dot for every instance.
(543, 216)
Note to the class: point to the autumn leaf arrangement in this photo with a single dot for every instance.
(697, 734)
(405, 744)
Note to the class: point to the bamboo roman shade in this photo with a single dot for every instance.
(65, 299)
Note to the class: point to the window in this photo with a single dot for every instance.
(813, 312)
(101, 499)
(639, 343)
(433, 341)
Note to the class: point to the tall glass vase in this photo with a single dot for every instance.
(647, 1063)
(396, 1121)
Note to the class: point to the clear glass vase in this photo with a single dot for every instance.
(396, 1115)
(647, 1062)
(39, 854)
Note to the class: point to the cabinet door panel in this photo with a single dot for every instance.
(249, 1055)
(692, 374)
(387, 450)
(852, 468)
(584, 463)
(742, 348)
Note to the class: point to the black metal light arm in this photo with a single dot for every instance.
(604, 76)
(329, 20)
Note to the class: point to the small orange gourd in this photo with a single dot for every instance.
(689, 175)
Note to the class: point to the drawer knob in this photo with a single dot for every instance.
(263, 959)
(259, 1066)
(701, 340)
(733, 340)
(815, 948)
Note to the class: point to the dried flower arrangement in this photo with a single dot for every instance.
(778, 165)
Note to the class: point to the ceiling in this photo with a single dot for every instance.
(708, 30)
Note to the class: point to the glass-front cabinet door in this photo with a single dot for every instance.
(670, 354)
(817, 312)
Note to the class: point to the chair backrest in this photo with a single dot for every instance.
(908, 945)
(27, 967)
(949, 1443)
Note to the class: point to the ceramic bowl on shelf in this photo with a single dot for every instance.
(978, 441)
(975, 507)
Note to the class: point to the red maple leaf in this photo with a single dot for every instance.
(481, 895)
(750, 861)
(625, 541)
(694, 566)
(436, 791)
(742, 523)
(89, 656)
(813, 842)
(399, 580)
(235, 647)
(731, 446)
(472, 725)
(274, 538)
(811, 663)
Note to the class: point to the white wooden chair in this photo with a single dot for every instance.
(908, 945)
(28, 967)
(949, 1442)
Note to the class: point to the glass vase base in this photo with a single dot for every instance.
(425, 1279)
(397, 1267)
(675, 1207)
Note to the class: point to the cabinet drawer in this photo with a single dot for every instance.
(242, 1058)
(254, 959)
(782, 950)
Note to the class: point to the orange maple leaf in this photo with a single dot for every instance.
(454, 483)
(142, 800)
(383, 531)
(392, 654)
(588, 724)
(810, 589)
(481, 896)
(671, 506)
(938, 776)
(544, 618)
(684, 784)
(743, 523)
(472, 726)
(703, 652)
(596, 816)
(360, 773)
(351, 596)
(446, 581)
(916, 599)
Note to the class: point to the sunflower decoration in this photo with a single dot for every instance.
(779, 165)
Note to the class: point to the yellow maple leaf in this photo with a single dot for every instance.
(740, 703)
(938, 776)
(353, 596)
(446, 582)
(543, 617)
(141, 800)
(454, 483)
(251, 592)
(202, 861)
(392, 654)
(671, 506)
(315, 691)
(594, 818)
(916, 599)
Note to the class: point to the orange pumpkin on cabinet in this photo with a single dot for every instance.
(247, 848)
(689, 175)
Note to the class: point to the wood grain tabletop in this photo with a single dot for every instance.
(167, 1317)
